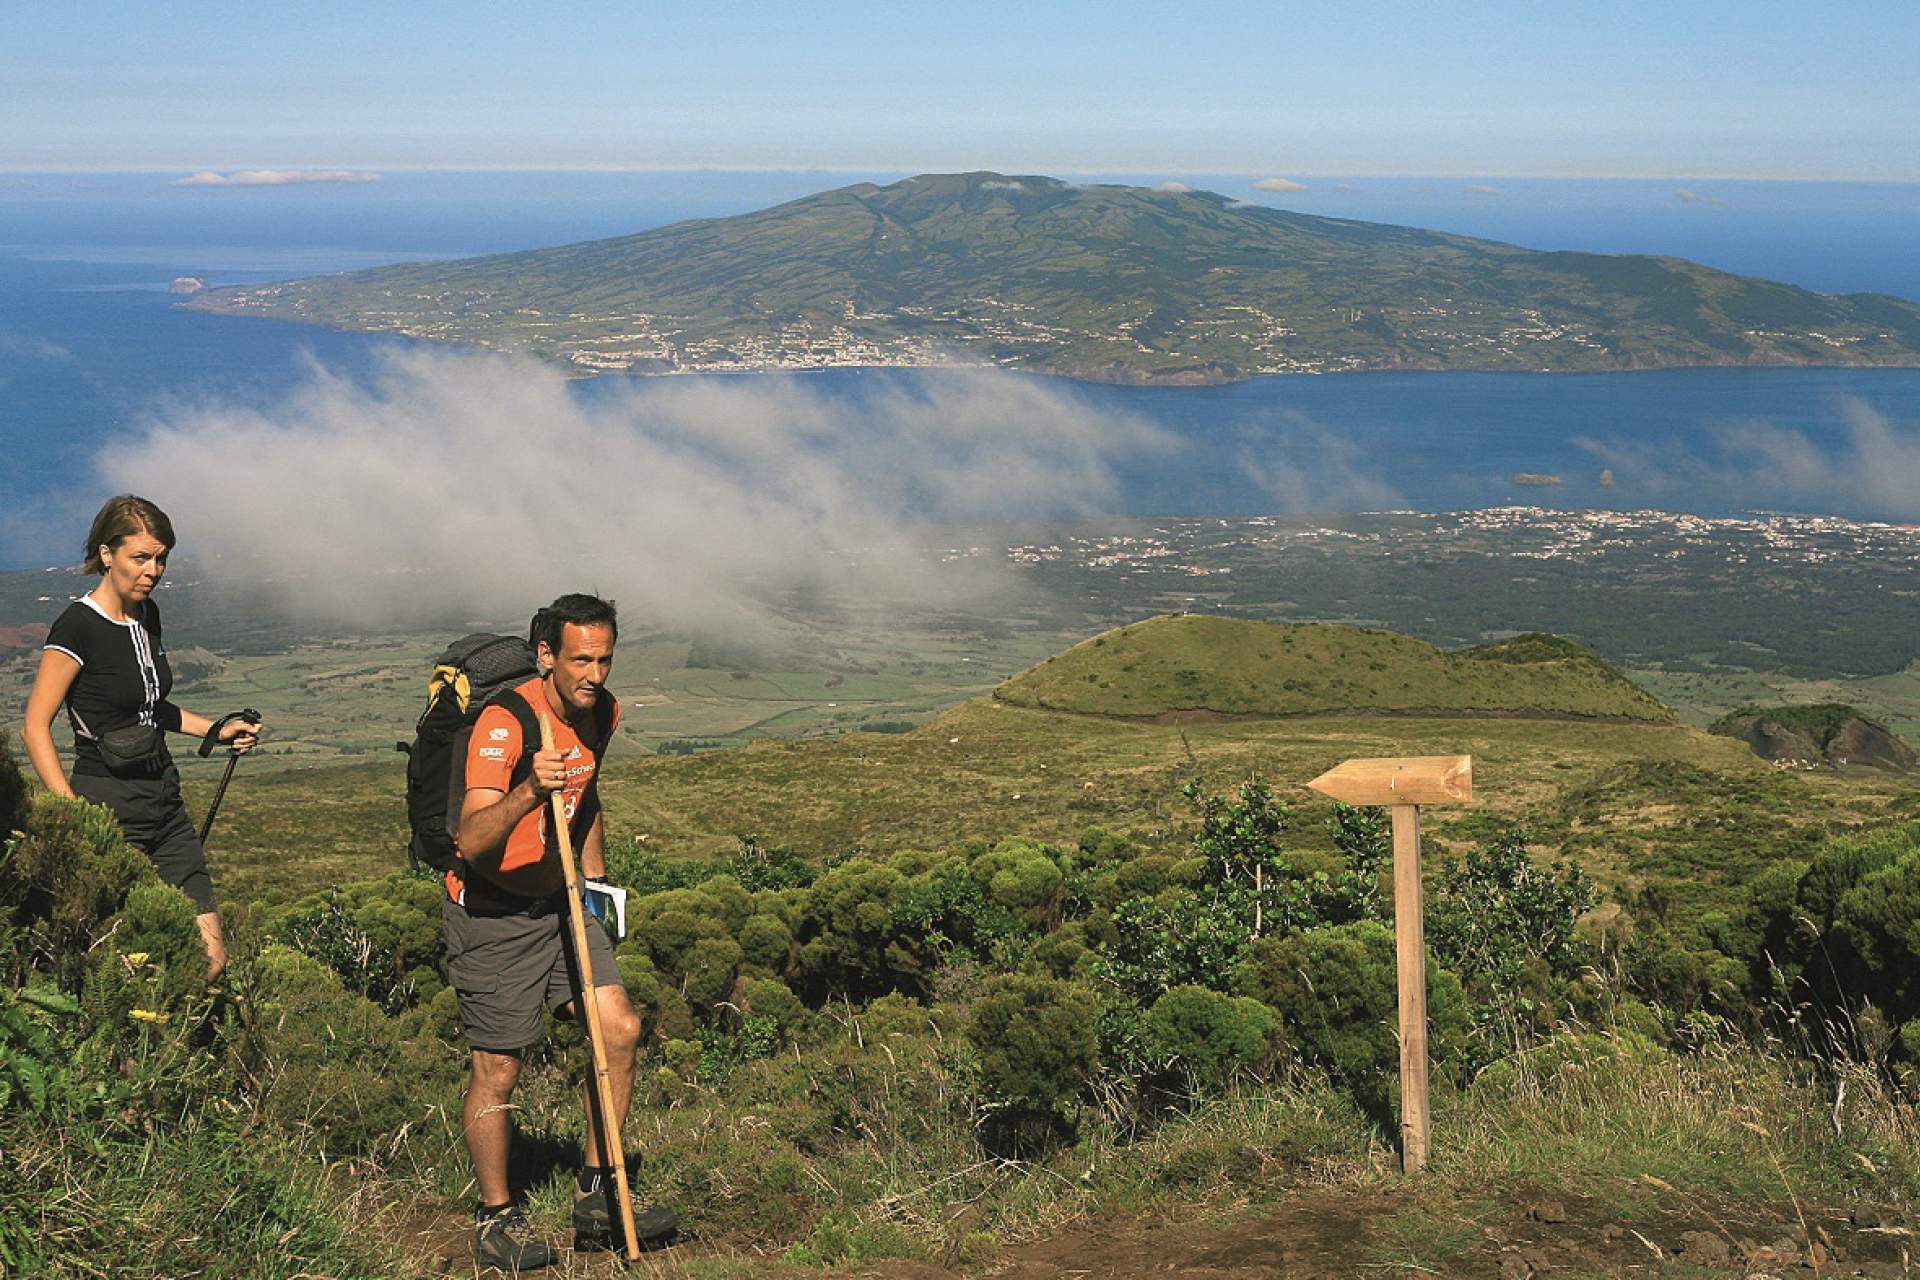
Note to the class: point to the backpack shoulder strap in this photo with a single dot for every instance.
(516, 704)
(604, 708)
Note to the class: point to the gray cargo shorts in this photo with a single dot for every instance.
(507, 969)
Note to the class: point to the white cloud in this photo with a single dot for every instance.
(1174, 188)
(1344, 186)
(14, 344)
(994, 184)
(1479, 189)
(1245, 204)
(1279, 184)
(273, 177)
(1303, 466)
(483, 485)
(1871, 466)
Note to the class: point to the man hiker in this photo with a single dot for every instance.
(509, 947)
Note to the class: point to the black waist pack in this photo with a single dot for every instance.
(133, 750)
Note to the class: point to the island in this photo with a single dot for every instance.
(1094, 281)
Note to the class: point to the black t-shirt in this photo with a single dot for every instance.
(124, 677)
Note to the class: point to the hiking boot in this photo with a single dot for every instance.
(596, 1227)
(506, 1241)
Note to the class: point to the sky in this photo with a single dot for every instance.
(1683, 88)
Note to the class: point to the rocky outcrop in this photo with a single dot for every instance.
(1828, 734)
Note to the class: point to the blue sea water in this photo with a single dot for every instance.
(92, 347)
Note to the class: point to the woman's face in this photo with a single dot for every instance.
(134, 568)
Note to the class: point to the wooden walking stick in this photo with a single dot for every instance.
(603, 1083)
(1406, 783)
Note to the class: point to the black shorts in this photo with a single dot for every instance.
(507, 969)
(154, 820)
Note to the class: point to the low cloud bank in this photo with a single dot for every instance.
(1302, 466)
(1279, 184)
(31, 348)
(486, 485)
(1869, 466)
(272, 177)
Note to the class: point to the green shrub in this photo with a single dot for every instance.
(162, 923)
(708, 971)
(732, 897)
(1506, 926)
(671, 921)
(672, 1017)
(1036, 1042)
(1841, 863)
(868, 927)
(330, 1062)
(765, 998)
(1336, 991)
(1209, 1038)
(1064, 953)
(1024, 878)
(1878, 923)
(382, 937)
(1141, 877)
(1173, 939)
(65, 875)
(13, 793)
(766, 943)
(1237, 837)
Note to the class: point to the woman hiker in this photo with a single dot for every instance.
(104, 661)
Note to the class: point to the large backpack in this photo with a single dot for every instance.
(468, 675)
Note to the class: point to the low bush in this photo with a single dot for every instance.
(1209, 1038)
(1336, 991)
(1036, 1043)
(66, 873)
(382, 937)
(330, 1063)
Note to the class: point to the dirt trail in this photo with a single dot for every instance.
(1508, 1234)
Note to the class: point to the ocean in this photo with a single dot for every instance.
(93, 349)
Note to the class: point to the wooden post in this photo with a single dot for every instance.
(1410, 954)
(1405, 784)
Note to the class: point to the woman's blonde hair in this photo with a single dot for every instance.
(119, 519)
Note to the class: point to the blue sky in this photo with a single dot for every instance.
(1683, 89)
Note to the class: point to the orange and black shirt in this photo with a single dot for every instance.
(499, 756)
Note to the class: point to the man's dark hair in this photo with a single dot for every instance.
(579, 609)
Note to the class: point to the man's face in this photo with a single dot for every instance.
(583, 664)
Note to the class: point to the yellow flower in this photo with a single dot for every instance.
(150, 1015)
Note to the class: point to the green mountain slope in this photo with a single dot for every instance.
(1105, 282)
(1238, 667)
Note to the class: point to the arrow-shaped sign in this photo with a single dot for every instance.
(1406, 783)
(1400, 780)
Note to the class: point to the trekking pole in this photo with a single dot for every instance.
(207, 744)
(576, 912)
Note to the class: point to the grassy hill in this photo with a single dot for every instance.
(1236, 667)
(1632, 800)
(1096, 281)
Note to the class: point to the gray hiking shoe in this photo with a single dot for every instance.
(595, 1226)
(506, 1241)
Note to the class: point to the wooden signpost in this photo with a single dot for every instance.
(1406, 783)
